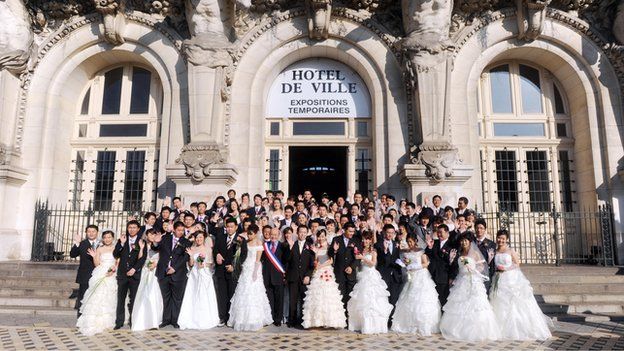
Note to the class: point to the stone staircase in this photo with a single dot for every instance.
(569, 291)
(37, 288)
(578, 290)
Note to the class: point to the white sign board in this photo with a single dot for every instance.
(318, 87)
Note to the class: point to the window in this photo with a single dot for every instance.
(274, 170)
(123, 130)
(275, 128)
(111, 99)
(78, 179)
(139, 99)
(539, 181)
(501, 89)
(115, 149)
(104, 180)
(134, 180)
(530, 90)
(519, 129)
(507, 180)
(318, 128)
(362, 129)
(523, 128)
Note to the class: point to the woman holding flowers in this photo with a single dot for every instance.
(418, 308)
(98, 309)
(322, 305)
(468, 315)
(148, 308)
(199, 308)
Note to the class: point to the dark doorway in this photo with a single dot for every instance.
(318, 169)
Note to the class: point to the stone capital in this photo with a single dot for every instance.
(439, 160)
(199, 160)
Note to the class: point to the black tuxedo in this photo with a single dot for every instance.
(172, 285)
(484, 246)
(300, 266)
(255, 214)
(283, 223)
(440, 267)
(390, 271)
(345, 257)
(84, 269)
(226, 281)
(274, 279)
(128, 257)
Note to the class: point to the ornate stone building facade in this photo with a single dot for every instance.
(514, 103)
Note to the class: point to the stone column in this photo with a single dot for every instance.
(435, 165)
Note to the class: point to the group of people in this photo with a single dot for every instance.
(370, 265)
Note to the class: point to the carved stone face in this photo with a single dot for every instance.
(427, 17)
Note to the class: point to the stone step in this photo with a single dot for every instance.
(30, 282)
(573, 288)
(36, 302)
(39, 292)
(570, 270)
(581, 298)
(23, 265)
(577, 279)
(40, 310)
(593, 308)
(39, 273)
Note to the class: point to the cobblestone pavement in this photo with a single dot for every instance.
(55, 332)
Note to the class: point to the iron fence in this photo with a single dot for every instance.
(557, 237)
(55, 226)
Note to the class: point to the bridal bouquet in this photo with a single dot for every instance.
(201, 259)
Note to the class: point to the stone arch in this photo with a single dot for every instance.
(64, 66)
(350, 43)
(582, 69)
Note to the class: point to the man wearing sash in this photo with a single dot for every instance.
(273, 271)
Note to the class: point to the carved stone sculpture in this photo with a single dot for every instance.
(618, 23)
(531, 15)
(16, 37)
(211, 24)
(113, 19)
(319, 16)
(439, 159)
(198, 159)
(427, 25)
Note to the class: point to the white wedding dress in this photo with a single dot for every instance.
(468, 315)
(322, 305)
(99, 305)
(250, 309)
(199, 307)
(148, 305)
(368, 307)
(516, 310)
(418, 308)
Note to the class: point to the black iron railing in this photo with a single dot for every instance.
(55, 226)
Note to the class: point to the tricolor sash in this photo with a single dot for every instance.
(274, 260)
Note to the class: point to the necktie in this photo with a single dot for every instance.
(173, 243)
(273, 247)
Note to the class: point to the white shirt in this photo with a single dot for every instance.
(301, 245)
(389, 246)
(442, 242)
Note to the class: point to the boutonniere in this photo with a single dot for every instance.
(443, 250)
(136, 246)
(177, 245)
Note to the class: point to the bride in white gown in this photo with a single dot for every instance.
(250, 309)
(468, 315)
(148, 305)
(516, 310)
(99, 306)
(199, 307)
(418, 308)
(322, 306)
(368, 307)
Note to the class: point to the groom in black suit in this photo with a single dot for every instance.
(342, 251)
(300, 260)
(171, 272)
(387, 255)
(487, 248)
(80, 249)
(128, 271)
(273, 278)
(226, 244)
(443, 267)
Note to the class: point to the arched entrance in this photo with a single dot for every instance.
(318, 130)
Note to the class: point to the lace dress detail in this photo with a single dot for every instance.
(322, 305)
(99, 306)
